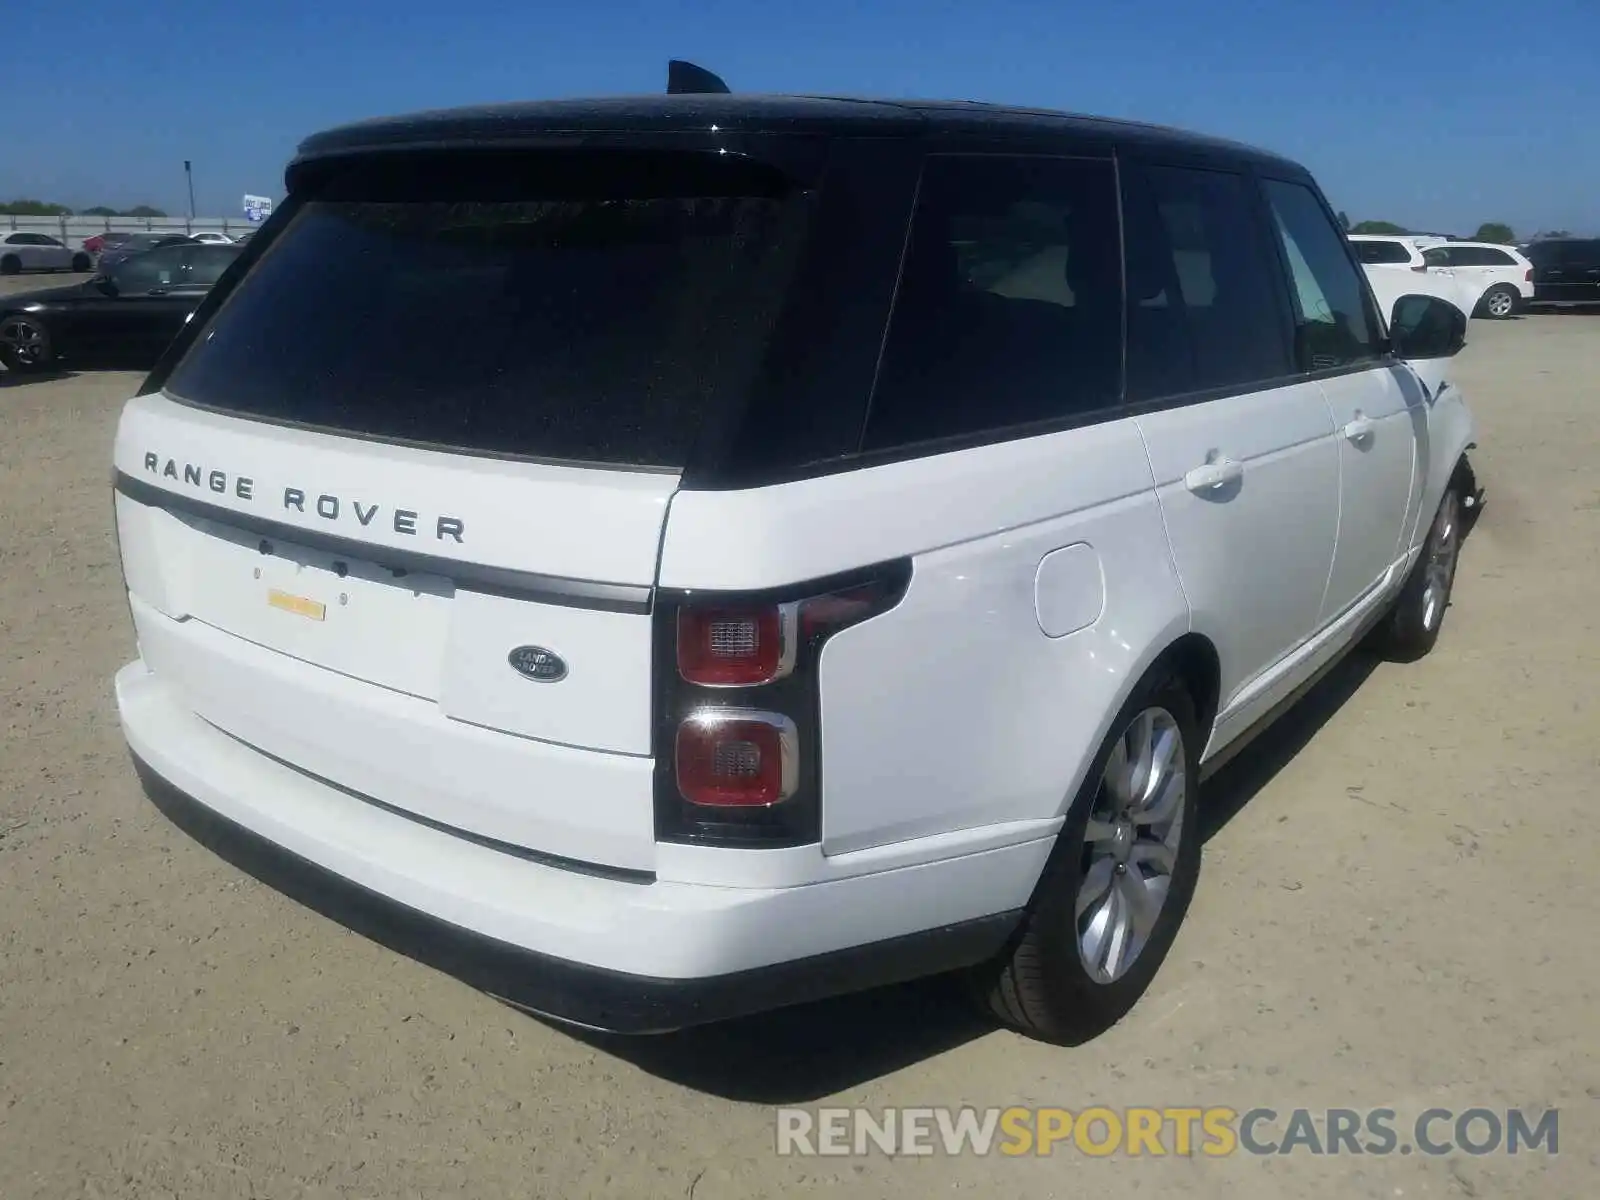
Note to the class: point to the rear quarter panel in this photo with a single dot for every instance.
(956, 710)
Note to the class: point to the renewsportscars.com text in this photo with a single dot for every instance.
(1214, 1132)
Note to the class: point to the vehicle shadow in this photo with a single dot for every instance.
(1225, 795)
(10, 378)
(802, 1054)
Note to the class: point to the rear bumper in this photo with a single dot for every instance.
(632, 957)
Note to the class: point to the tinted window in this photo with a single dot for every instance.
(1373, 253)
(1440, 257)
(1009, 309)
(600, 323)
(1487, 256)
(40, 239)
(1335, 322)
(207, 263)
(158, 268)
(1202, 303)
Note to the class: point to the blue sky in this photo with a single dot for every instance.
(1438, 114)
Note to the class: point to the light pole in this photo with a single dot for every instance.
(188, 171)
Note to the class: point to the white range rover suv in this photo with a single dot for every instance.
(685, 555)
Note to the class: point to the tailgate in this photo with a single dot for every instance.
(400, 570)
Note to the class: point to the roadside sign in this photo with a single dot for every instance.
(257, 208)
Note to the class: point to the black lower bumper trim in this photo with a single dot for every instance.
(613, 1001)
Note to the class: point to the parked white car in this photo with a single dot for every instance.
(1395, 265)
(24, 251)
(212, 238)
(831, 565)
(1498, 280)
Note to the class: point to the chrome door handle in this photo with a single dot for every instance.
(1213, 475)
(1359, 428)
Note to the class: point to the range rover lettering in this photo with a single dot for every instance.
(926, 496)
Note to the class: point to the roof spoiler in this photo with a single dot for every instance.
(686, 79)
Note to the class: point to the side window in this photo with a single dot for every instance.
(45, 240)
(1202, 303)
(1335, 322)
(1440, 257)
(1382, 253)
(1009, 309)
(1496, 258)
(156, 268)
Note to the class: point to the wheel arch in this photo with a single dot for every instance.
(1500, 285)
(1194, 659)
(1189, 656)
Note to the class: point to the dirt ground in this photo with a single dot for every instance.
(1399, 907)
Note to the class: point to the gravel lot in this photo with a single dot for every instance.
(1399, 908)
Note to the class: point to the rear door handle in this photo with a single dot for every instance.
(1359, 428)
(1213, 475)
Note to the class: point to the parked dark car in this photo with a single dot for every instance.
(101, 242)
(127, 314)
(1565, 270)
(140, 243)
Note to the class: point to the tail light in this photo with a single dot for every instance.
(738, 707)
(736, 647)
(729, 758)
(1527, 275)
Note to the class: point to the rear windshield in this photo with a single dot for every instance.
(565, 310)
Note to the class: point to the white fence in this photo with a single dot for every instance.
(72, 230)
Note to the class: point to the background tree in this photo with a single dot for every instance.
(1378, 227)
(143, 210)
(99, 210)
(1495, 231)
(34, 208)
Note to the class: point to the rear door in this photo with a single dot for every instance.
(53, 253)
(147, 309)
(1243, 452)
(169, 304)
(428, 444)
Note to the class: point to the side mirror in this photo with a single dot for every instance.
(1427, 327)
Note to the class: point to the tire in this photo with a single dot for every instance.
(1499, 303)
(10, 265)
(1412, 625)
(82, 262)
(25, 343)
(1042, 984)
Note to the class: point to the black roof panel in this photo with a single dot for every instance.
(510, 124)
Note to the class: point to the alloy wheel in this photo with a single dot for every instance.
(1440, 570)
(24, 339)
(1130, 846)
